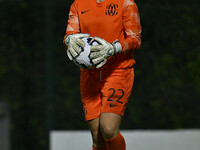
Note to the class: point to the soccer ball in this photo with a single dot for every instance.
(83, 60)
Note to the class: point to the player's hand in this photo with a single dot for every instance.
(100, 53)
(74, 43)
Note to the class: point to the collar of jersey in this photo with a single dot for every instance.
(99, 3)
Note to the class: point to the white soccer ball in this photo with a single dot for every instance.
(83, 60)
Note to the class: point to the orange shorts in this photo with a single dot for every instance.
(105, 91)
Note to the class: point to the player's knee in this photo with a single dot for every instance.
(108, 132)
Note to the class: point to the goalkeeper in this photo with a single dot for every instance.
(105, 90)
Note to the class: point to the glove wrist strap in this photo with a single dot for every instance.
(117, 47)
(67, 39)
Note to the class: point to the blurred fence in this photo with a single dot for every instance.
(138, 139)
(4, 126)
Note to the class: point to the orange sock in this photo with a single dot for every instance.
(117, 143)
(102, 148)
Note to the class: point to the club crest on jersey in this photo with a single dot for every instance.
(112, 9)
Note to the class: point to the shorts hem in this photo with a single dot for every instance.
(92, 117)
(114, 112)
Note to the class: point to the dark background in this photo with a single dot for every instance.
(42, 86)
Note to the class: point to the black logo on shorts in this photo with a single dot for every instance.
(112, 9)
(113, 105)
(84, 108)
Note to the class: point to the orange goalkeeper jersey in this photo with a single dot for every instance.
(110, 20)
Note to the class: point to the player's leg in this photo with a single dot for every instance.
(109, 126)
(115, 95)
(98, 140)
(91, 99)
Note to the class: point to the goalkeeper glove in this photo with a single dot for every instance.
(100, 53)
(74, 43)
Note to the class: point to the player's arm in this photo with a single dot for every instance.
(72, 39)
(132, 27)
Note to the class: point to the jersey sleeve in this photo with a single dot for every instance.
(132, 27)
(73, 25)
